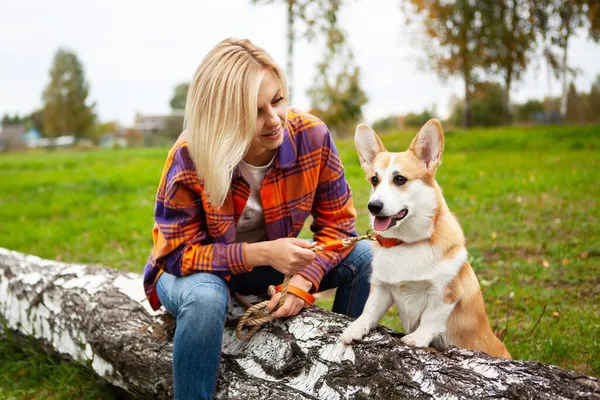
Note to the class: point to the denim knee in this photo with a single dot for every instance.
(200, 293)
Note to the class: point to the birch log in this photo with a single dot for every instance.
(98, 316)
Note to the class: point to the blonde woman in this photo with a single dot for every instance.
(236, 189)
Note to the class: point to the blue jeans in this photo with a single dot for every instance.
(199, 302)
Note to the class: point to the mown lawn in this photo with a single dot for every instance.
(526, 199)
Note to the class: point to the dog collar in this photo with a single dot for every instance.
(392, 242)
(388, 242)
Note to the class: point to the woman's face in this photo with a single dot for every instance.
(270, 123)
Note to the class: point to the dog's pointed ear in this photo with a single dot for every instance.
(368, 145)
(428, 145)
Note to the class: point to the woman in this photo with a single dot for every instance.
(236, 189)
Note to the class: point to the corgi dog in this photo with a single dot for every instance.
(419, 260)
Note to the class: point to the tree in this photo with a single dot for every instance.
(339, 100)
(387, 123)
(93, 315)
(314, 14)
(418, 120)
(16, 119)
(454, 29)
(593, 102)
(575, 106)
(337, 97)
(179, 96)
(173, 126)
(564, 17)
(525, 111)
(65, 97)
(511, 40)
(486, 104)
(36, 120)
(105, 128)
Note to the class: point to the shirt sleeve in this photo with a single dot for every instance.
(334, 216)
(181, 242)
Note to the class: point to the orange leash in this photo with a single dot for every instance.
(257, 315)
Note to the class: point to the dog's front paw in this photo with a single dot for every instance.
(416, 340)
(355, 331)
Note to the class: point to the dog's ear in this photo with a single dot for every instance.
(368, 145)
(428, 145)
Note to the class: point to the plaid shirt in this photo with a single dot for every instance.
(190, 235)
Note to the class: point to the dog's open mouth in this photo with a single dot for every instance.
(383, 223)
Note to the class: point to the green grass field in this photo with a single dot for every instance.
(526, 199)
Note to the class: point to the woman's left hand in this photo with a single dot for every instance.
(293, 304)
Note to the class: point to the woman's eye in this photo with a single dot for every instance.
(278, 100)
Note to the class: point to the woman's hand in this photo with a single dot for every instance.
(287, 255)
(293, 304)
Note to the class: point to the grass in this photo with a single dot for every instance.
(526, 199)
(26, 373)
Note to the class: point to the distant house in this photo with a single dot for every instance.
(12, 137)
(546, 117)
(154, 124)
(152, 127)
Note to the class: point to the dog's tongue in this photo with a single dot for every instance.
(381, 224)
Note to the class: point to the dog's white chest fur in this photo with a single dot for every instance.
(414, 262)
(415, 276)
(411, 299)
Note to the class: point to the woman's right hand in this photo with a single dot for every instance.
(287, 255)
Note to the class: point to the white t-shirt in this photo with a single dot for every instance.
(251, 227)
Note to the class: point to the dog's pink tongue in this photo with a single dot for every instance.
(381, 224)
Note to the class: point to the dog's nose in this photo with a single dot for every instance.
(375, 206)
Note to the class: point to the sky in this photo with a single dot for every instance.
(135, 52)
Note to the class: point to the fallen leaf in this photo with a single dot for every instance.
(565, 262)
(555, 314)
(494, 236)
(545, 263)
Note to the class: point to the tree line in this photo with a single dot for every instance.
(476, 40)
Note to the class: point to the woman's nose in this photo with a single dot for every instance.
(273, 119)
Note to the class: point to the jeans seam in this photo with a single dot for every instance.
(164, 290)
(353, 267)
(352, 297)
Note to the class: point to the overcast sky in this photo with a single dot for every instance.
(135, 52)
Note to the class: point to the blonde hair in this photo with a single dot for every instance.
(221, 111)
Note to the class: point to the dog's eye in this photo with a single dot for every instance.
(399, 180)
(374, 180)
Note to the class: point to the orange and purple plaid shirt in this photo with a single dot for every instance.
(190, 235)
